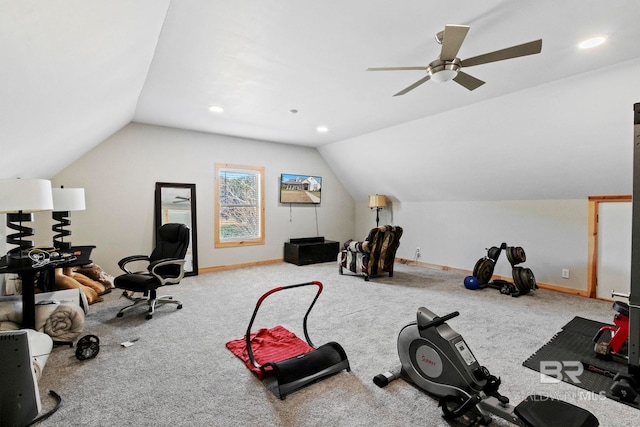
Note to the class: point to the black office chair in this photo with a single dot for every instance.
(166, 267)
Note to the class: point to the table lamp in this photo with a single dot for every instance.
(19, 198)
(65, 200)
(377, 202)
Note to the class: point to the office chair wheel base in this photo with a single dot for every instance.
(119, 314)
(149, 316)
(179, 307)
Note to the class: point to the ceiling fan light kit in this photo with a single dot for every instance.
(443, 71)
(448, 66)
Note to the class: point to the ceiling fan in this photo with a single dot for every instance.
(181, 199)
(448, 66)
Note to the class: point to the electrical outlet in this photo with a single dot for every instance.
(565, 273)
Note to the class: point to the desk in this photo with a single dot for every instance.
(80, 256)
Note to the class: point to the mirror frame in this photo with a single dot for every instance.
(194, 233)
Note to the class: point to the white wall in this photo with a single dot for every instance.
(443, 213)
(553, 234)
(456, 180)
(564, 140)
(119, 178)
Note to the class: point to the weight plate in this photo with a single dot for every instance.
(476, 268)
(523, 279)
(517, 279)
(528, 279)
(483, 270)
(515, 255)
(519, 255)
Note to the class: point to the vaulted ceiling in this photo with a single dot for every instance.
(73, 72)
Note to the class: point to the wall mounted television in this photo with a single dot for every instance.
(300, 189)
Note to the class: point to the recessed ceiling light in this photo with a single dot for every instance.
(293, 111)
(322, 129)
(216, 109)
(592, 42)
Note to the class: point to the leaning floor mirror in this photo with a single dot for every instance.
(176, 203)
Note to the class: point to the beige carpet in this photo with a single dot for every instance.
(179, 372)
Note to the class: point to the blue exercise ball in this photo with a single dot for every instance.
(471, 282)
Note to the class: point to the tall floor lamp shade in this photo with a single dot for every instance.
(19, 198)
(65, 200)
(377, 202)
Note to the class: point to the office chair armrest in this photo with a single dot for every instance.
(167, 280)
(124, 261)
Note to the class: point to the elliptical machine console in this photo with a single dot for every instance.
(436, 359)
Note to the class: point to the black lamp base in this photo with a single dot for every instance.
(377, 216)
(63, 220)
(18, 258)
(15, 222)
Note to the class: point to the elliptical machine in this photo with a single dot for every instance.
(437, 360)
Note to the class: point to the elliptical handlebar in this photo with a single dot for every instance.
(304, 321)
(439, 320)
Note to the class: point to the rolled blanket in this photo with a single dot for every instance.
(94, 272)
(65, 322)
(66, 282)
(11, 311)
(43, 311)
(81, 278)
(9, 326)
(61, 321)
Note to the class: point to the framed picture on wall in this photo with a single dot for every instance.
(300, 189)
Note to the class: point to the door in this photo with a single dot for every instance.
(614, 249)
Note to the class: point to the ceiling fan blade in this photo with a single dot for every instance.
(452, 40)
(422, 68)
(413, 86)
(524, 49)
(470, 82)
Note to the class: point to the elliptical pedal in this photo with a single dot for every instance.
(542, 411)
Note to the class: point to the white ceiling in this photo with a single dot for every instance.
(76, 71)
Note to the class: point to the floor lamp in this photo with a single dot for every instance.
(377, 202)
(19, 198)
(65, 200)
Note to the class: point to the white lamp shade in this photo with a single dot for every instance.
(377, 201)
(68, 199)
(25, 195)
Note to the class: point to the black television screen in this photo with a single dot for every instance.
(300, 188)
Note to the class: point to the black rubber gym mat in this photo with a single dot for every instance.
(569, 356)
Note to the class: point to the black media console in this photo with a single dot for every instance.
(310, 250)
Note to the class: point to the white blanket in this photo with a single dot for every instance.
(10, 315)
(61, 321)
(64, 323)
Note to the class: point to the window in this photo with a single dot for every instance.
(239, 205)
